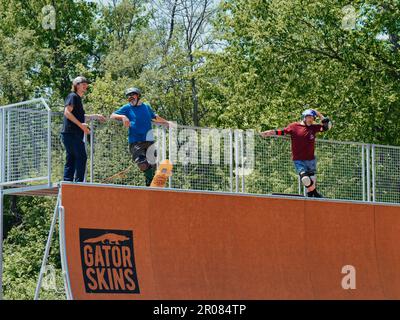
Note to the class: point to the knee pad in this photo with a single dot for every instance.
(307, 178)
(143, 166)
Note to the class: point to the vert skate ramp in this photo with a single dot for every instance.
(140, 243)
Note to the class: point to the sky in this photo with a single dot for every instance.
(100, 1)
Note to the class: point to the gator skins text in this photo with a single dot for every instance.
(108, 261)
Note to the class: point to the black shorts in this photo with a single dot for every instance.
(138, 151)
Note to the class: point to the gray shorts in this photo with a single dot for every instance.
(138, 151)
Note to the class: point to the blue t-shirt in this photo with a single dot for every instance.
(140, 118)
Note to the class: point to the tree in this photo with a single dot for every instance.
(279, 56)
(153, 53)
(65, 30)
(195, 16)
(19, 63)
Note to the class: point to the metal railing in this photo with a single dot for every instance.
(208, 159)
(25, 142)
(385, 173)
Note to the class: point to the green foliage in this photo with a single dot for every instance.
(137, 55)
(71, 47)
(18, 60)
(264, 61)
(24, 247)
(279, 56)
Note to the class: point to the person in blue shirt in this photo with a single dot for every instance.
(138, 117)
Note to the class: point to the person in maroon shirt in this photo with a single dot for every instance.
(302, 135)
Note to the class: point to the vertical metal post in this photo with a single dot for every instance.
(164, 144)
(91, 151)
(1, 240)
(363, 172)
(49, 146)
(2, 178)
(373, 172)
(3, 146)
(299, 184)
(231, 160)
(47, 249)
(242, 159)
(8, 146)
(64, 264)
(170, 153)
(236, 161)
(157, 143)
(368, 173)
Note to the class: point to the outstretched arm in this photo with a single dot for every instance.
(99, 117)
(161, 121)
(121, 117)
(276, 132)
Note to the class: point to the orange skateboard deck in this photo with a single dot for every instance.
(164, 171)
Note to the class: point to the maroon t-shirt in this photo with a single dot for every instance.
(303, 140)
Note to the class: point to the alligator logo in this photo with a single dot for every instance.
(111, 238)
(108, 261)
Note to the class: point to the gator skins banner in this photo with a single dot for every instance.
(108, 261)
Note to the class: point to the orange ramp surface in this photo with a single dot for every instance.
(136, 243)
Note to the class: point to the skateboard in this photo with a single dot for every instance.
(164, 171)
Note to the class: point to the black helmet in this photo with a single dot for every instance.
(131, 91)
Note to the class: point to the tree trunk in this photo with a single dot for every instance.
(195, 99)
(171, 27)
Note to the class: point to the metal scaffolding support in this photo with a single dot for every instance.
(47, 248)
